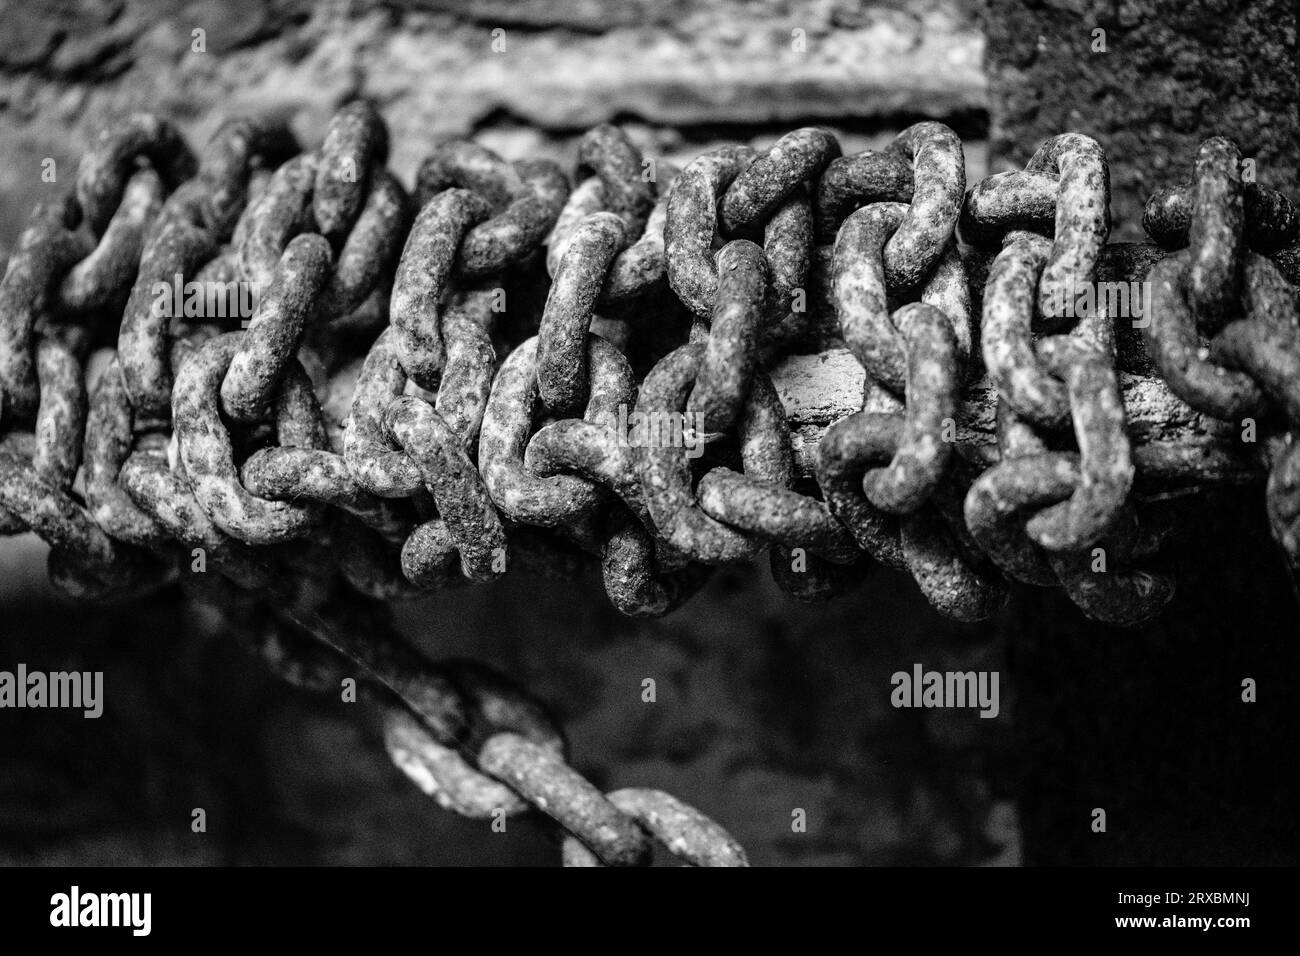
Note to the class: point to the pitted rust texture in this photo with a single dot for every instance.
(469, 166)
(494, 704)
(630, 571)
(109, 441)
(692, 224)
(1241, 301)
(55, 452)
(767, 506)
(736, 192)
(1014, 200)
(521, 202)
(846, 451)
(764, 185)
(933, 380)
(422, 276)
(593, 451)
(508, 423)
(312, 474)
(375, 464)
(665, 469)
(686, 832)
(1215, 236)
(46, 249)
(555, 789)
(61, 415)
(606, 152)
(1029, 479)
(280, 212)
(938, 189)
(472, 523)
(1065, 188)
(787, 247)
(176, 248)
(1268, 353)
(471, 362)
(371, 246)
(1272, 221)
(862, 294)
(997, 497)
(229, 166)
(1082, 217)
(519, 229)
(106, 170)
(923, 543)
(355, 149)
(726, 368)
(1006, 332)
(861, 297)
(778, 514)
(104, 278)
(271, 339)
(1179, 355)
(642, 266)
(206, 452)
(395, 424)
(570, 306)
(52, 513)
(956, 586)
(851, 182)
(639, 264)
(1097, 410)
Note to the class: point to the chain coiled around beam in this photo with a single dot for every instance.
(342, 394)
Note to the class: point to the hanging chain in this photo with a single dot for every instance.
(836, 359)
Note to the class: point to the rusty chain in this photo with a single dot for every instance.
(341, 393)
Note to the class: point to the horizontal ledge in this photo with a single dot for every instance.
(818, 390)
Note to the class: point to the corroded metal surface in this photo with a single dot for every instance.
(463, 408)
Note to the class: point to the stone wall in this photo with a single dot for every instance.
(680, 75)
(1161, 77)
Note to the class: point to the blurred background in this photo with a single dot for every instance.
(763, 705)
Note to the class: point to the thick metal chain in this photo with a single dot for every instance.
(441, 387)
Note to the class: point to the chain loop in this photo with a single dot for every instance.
(763, 186)
(686, 832)
(207, 454)
(105, 171)
(543, 779)
(353, 153)
(494, 704)
(862, 293)
(47, 248)
(520, 203)
(558, 501)
(386, 425)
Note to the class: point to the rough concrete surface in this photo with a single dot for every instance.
(681, 73)
(1172, 74)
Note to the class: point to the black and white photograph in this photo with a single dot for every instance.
(506, 434)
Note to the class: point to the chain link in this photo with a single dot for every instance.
(412, 405)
